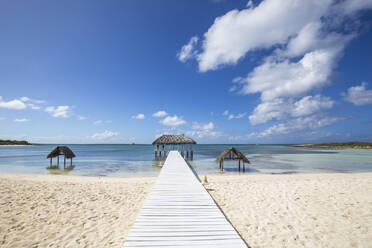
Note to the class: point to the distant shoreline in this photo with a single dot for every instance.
(338, 145)
(14, 143)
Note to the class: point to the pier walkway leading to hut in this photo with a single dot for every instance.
(179, 212)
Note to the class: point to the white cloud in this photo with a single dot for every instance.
(237, 32)
(349, 7)
(204, 130)
(280, 108)
(203, 126)
(81, 118)
(311, 104)
(22, 120)
(359, 95)
(187, 51)
(13, 104)
(97, 122)
(32, 103)
(104, 136)
(275, 79)
(59, 111)
(173, 121)
(160, 113)
(302, 48)
(139, 116)
(200, 134)
(226, 112)
(27, 99)
(238, 116)
(33, 106)
(301, 124)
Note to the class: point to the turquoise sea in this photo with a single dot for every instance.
(138, 160)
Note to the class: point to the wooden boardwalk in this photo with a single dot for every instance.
(179, 212)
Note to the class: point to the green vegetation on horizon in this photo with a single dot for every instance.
(14, 142)
(353, 145)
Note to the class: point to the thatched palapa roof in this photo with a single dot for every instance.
(236, 155)
(61, 150)
(173, 139)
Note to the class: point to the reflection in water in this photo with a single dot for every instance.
(138, 160)
(158, 163)
(55, 170)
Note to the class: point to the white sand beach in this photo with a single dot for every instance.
(300, 210)
(68, 211)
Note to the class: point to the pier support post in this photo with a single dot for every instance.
(50, 162)
(58, 161)
(239, 165)
(64, 162)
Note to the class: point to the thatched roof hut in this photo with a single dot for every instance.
(168, 139)
(232, 154)
(175, 142)
(61, 150)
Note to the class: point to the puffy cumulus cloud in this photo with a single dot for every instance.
(350, 7)
(237, 32)
(279, 109)
(173, 121)
(204, 130)
(203, 126)
(160, 113)
(104, 136)
(32, 103)
(22, 120)
(81, 118)
(138, 117)
(275, 79)
(359, 95)
(238, 116)
(226, 112)
(188, 51)
(200, 134)
(311, 104)
(302, 49)
(13, 104)
(59, 111)
(33, 106)
(301, 124)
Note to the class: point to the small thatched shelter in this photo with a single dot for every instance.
(232, 154)
(61, 150)
(174, 142)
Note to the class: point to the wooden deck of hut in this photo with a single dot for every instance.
(232, 154)
(179, 212)
(168, 142)
(60, 150)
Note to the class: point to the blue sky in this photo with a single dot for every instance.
(218, 71)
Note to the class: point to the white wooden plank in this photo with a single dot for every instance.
(179, 212)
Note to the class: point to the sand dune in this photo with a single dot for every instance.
(301, 210)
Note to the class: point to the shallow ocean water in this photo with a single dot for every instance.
(138, 160)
